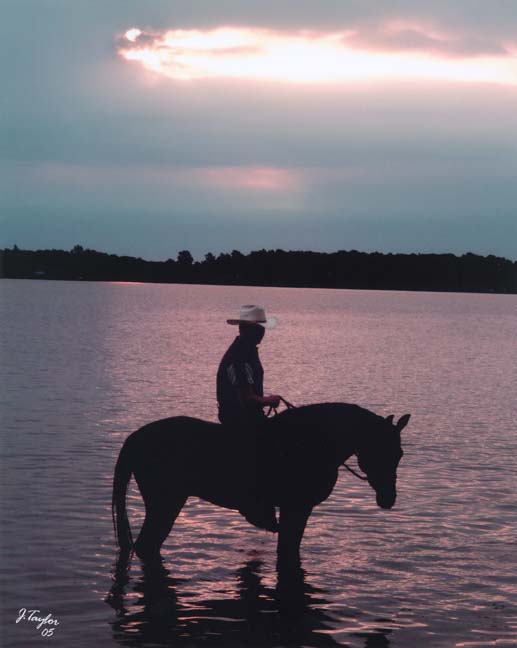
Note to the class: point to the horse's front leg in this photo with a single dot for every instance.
(293, 519)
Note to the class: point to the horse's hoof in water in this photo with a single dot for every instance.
(288, 568)
(147, 555)
(123, 558)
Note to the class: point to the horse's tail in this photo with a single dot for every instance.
(123, 472)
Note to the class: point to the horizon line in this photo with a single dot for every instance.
(15, 248)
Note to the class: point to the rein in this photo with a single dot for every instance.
(354, 472)
(272, 409)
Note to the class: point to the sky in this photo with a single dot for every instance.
(147, 127)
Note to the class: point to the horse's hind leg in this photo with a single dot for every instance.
(160, 513)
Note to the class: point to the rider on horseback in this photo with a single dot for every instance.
(240, 397)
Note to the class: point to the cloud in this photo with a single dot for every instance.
(396, 51)
(401, 36)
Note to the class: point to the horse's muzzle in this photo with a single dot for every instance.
(386, 499)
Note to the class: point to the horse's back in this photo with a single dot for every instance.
(176, 424)
(170, 433)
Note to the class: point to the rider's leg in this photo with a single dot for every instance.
(256, 509)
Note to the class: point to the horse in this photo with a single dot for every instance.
(297, 454)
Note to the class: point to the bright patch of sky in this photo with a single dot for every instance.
(147, 128)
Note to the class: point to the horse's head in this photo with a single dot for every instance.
(379, 458)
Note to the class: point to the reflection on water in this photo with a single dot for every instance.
(292, 613)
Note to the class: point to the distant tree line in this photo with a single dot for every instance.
(343, 269)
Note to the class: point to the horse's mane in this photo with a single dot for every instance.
(322, 410)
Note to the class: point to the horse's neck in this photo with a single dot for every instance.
(340, 429)
(349, 432)
(346, 446)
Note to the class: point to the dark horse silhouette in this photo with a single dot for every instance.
(296, 453)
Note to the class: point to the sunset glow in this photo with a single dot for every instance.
(254, 178)
(258, 54)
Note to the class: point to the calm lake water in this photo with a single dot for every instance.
(84, 364)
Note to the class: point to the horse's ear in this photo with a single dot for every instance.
(402, 422)
(389, 419)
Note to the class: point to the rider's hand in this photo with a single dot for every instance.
(273, 400)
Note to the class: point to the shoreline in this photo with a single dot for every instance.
(250, 285)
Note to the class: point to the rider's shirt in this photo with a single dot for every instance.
(240, 367)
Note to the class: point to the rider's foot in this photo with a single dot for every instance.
(262, 516)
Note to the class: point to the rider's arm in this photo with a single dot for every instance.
(246, 394)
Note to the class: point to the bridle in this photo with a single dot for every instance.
(291, 406)
(354, 472)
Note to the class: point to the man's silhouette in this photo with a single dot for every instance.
(240, 397)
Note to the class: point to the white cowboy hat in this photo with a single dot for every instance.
(253, 314)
